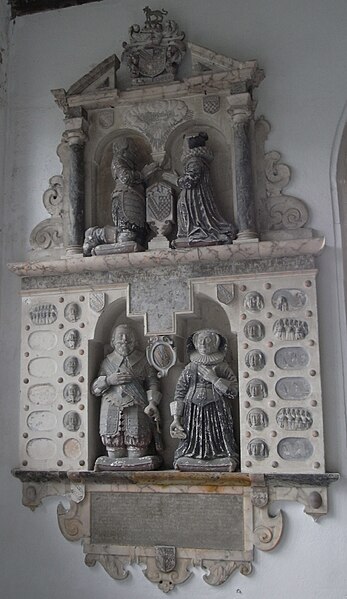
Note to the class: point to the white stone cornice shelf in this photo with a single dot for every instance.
(155, 258)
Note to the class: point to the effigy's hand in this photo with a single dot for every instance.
(208, 374)
(152, 411)
(119, 378)
(176, 429)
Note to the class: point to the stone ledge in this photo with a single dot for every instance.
(172, 477)
(168, 258)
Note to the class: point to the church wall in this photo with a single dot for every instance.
(302, 47)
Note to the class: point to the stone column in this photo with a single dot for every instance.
(76, 127)
(241, 113)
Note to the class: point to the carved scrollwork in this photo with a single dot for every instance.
(166, 581)
(113, 565)
(71, 526)
(220, 571)
(277, 174)
(48, 233)
(286, 212)
(276, 211)
(267, 529)
(264, 534)
(53, 196)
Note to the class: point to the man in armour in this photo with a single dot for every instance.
(129, 389)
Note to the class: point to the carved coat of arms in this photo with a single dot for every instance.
(165, 557)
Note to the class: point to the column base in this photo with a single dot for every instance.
(246, 235)
(74, 250)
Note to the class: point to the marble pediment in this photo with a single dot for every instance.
(206, 66)
(101, 78)
(206, 61)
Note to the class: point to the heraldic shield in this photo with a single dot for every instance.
(165, 557)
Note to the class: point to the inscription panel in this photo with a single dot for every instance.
(149, 519)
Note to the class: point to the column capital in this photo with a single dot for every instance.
(241, 108)
(76, 126)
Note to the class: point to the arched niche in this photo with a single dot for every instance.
(207, 314)
(102, 181)
(98, 347)
(221, 166)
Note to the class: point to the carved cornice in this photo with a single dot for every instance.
(221, 253)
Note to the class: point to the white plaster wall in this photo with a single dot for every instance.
(302, 45)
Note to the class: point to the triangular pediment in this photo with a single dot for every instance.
(103, 76)
(204, 60)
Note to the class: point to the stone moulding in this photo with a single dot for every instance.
(245, 252)
(169, 565)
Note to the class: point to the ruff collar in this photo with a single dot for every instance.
(209, 359)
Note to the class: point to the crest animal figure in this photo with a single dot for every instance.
(154, 17)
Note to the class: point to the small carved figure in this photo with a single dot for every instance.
(72, 312)
(256, 389)
(72, 393)
(72, 421)
(72, 338)
(254, 330)
(289, 299)
(258, 449)
(255, 359)
(290, 329)
(154, 17)
(43, 314)
(282, 303)
(129, 415)
(254, 301)
(257, 419)
(71, 366)
(198, 219)
(202, 408)
(294, 419)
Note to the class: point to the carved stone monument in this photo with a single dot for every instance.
(187, 232)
